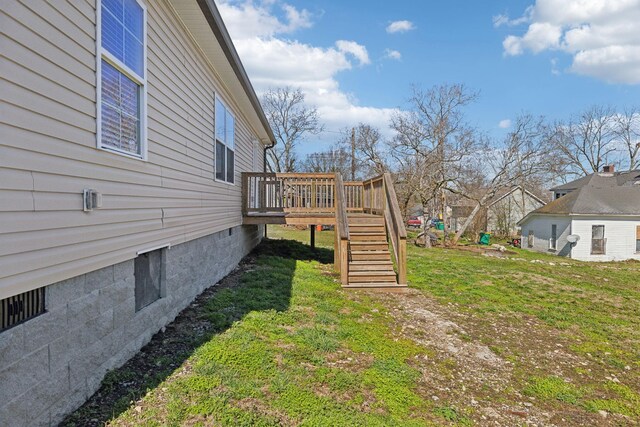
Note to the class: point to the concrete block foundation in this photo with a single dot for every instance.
(51, 364)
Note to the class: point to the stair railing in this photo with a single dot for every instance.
(341, 253)
(379, 198)
(397, 230)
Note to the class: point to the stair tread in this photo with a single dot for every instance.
(373, 262)
(372, 273)
(383, 285)
(373, 252)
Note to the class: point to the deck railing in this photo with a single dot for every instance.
(341, 252)
(276, 192)
(379, 198)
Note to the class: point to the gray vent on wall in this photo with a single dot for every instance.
(22, 307)
(91, 199)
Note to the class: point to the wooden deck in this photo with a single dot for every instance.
(290, 218)
(365, 214)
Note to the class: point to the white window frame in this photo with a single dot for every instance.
(604, 239)
(217, 98)
(128, 72)
(553, 240)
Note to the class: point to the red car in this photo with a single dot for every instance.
(414, 221)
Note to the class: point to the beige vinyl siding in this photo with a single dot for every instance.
(48, 151)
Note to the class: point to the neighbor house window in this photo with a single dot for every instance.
(638, 239)
(225, 160)
(598, 242)
(121, 76)
(553, 241)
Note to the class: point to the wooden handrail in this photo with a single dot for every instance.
(397, 230)
(341, 253)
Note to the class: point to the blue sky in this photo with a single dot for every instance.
(547, 57)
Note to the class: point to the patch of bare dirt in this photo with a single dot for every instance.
(476, 364)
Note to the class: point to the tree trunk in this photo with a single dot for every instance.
(466, 224)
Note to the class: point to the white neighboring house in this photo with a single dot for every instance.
(508, 208)
(601, 210)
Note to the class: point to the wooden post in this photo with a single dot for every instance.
(402, 261)
(336, 249)
(353, 154)
(344, 262)
(313, 236)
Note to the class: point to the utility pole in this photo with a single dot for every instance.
(353, 154)
(444, 216)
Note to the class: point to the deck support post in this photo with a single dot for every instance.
(313, 236)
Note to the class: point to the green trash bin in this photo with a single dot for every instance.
(485, 238)
(439, 225)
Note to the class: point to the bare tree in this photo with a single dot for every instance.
(586, 143)
(370, 150)
(520, 157)
(435, 132)
(335, 159)
(291, 120)
(626, 128)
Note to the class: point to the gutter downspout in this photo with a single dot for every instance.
(264, 168)
(264, 154)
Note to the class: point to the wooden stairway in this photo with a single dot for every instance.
(370, 264)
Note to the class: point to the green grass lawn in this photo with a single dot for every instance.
(291, 348)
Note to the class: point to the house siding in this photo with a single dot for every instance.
(85, 261)
(619, 232)
(541, 226)
(57, 360)
(48, 151)
(505, 213)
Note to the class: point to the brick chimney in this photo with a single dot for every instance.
(609, 169)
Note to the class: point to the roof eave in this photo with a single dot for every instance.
(213, 17)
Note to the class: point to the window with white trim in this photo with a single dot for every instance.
(598, 241)
(553, 241)
(224, 143)
(122, 76)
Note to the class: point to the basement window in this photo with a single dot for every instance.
(149, 274)
(20, 308)
(638, 239)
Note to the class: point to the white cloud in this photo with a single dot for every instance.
(392, 54)
(257, 19)
(273, 61)
(602, 37)
(554, 67)
(355, 49)
(400, 27)
(503, 19)
(504, 124)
